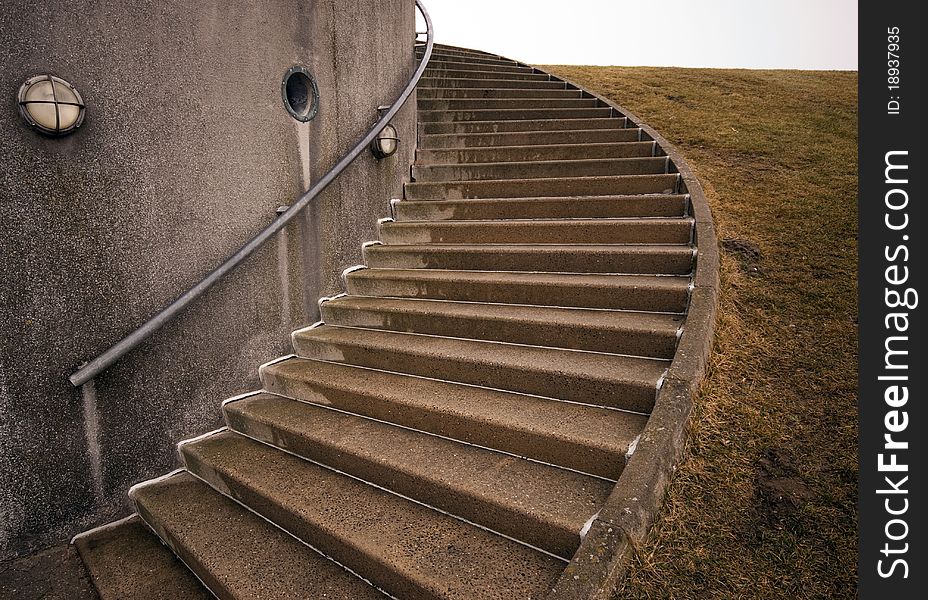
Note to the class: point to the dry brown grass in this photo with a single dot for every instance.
(764, 503)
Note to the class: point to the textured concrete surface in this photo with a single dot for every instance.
(554, 186)
(603, 379)
(55, 573)
(481, 139)
(526, 170)
(539, 504)
(127, 561)
(236, 553)
(185, 153)
(620, 332)
(538, 152)
(549, 231)
(630, 258)
(591, 207)
(407, 549)
(363, 60)
(622, 292)
(586, 438)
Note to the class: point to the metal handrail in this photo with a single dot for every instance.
(90, 369)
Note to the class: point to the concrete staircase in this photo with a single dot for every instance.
(459, 417)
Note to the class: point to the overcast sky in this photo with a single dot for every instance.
(756, 34)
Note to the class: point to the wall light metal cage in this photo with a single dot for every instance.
(51, 105)
(386, 142)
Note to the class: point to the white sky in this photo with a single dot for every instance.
(756, 34)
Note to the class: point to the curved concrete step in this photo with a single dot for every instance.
(537, 152)
(618, 292)
(512, 114)
(470, 52)
(619, 332)
(545, 186)
(407, 549)
(576, 207)
(465, 104)
(495, 137)
(456, 64)
(543, 505)
(548, 231)
(493, 80)
(590, 439)
(591, 167)
(522, 125)
(616, 381)
(236, 553)
(127, 561)
(538, 258)
(477, 59)
(475, 72)
(437, 93)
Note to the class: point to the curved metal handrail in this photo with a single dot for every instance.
(89, 370)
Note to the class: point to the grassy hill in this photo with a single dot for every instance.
(764, 504)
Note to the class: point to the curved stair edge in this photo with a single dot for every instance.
(601, 562)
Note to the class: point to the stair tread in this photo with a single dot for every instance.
(674, 259)
(566, 317)
(586, 438)
(542, 168)
(530, 358)
(237, 553)
(489, 138)
(521, 187)
(607, 231)
(127, 561)
(668, 282)
(403, 547)
(574, 375)
(541, 207)
(634, 333)
(544, 505)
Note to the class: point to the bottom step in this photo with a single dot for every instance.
(126, 561)
(235, 552)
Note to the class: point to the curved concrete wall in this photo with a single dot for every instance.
(185, 153)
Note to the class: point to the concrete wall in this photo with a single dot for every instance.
(185, 153)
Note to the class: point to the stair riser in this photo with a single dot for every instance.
(563, 386)
(540, 232)
(475, 509)
(441, 66)
(636, 342)
(475, 59)
(466, 52)
(453, 116)
(564, 261)
(424, 93)
(485, 140)
(476, 73)
(528, 125)
(580, 186)
(535, 153)
(490, 83)
(545, 168)
(602, 207)
(609, 297)
(460, 104)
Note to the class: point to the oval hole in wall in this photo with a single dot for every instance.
(300, 93)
